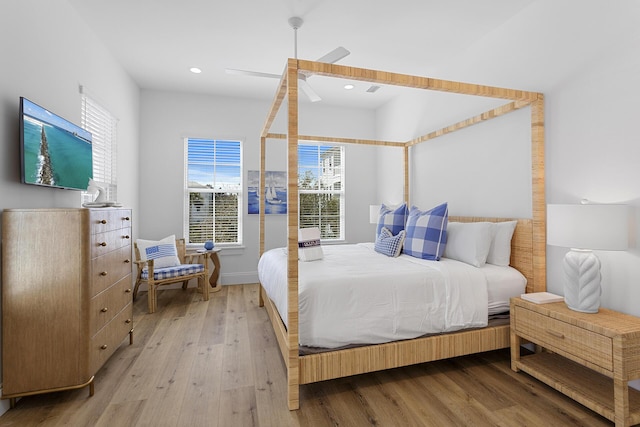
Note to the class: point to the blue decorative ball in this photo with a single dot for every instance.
(208, 245)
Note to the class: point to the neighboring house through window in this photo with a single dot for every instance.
(213, 191)
(321, 189)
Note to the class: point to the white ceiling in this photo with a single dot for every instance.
(157, 41)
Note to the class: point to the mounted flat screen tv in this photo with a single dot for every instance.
(54, 152)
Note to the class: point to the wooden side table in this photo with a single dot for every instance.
(589, 357)
(215, 274)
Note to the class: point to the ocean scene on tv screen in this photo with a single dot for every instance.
(56, 152)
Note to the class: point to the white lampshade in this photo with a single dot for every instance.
(374, 213)
(590, 226)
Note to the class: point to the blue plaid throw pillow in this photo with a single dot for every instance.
(394, 219)
(426, 232)
(388, 244)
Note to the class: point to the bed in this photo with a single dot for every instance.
(355, 295)
(527, 244)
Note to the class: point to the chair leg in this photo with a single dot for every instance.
(185, 284)
(203, 282)
(151, 294)
(135, 289)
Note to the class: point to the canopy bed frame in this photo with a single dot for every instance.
(528, 244)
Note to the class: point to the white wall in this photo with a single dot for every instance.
(47, 52)
(583, 56)
(483, 170)
(594, 153)
(168, 117)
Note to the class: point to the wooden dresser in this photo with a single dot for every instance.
(66, 296)
(588, 357)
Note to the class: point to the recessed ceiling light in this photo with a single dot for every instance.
(195, 70)
(349, 86)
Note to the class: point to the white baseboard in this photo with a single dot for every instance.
(239, 278)
(225, 279)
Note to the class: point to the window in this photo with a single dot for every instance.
(321, 189)
(103, 126)
(213, 191)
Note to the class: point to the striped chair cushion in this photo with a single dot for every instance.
(170, 272)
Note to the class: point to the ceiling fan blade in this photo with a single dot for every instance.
(335, 55)
(308, 90)
(251, 73)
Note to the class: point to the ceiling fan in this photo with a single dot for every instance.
(331, 57)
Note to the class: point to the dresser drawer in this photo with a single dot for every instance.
(102, 220)
(105, 342)
(109, 303)
(560, 336)
(103, 243)
(109, 268)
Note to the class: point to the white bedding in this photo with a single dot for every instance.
(358, 296)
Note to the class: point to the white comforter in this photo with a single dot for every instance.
(358, 296)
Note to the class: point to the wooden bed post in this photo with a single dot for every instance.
(261, 204)
(293, 361)
(406, 175)
(539, 204)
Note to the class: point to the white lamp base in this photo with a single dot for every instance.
(582, 288)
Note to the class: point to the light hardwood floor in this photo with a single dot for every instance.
(216, 363)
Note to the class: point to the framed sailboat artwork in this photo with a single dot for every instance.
(275, 196)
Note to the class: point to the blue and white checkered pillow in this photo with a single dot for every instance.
(394, 219)
(388, 244)
(426, 232)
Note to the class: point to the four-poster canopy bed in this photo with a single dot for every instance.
(527, 245)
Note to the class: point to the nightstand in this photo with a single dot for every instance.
(588, 357)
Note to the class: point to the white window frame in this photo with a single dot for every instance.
(104, 128)
(188, 190)
(324, 169)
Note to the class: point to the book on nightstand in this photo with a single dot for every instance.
(542, 297)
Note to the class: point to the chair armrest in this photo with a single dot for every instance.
(142, 264)
(200, 257)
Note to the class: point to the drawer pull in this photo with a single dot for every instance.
(126, 218)
(556, 334)
(127, 261)
(103, 273)
(127, 291)
(127, 321)
(103, 346)
(102, 221)
(103, 244)
(126, 237)
(104, 310)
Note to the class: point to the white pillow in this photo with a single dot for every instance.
(500, 249)
(469, 242)
(309, 248)
(162, 252)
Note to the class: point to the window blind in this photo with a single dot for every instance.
(103, 127)
(213, 191)
(321, 189)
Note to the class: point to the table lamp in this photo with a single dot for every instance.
(374, 213)
(584, 228)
